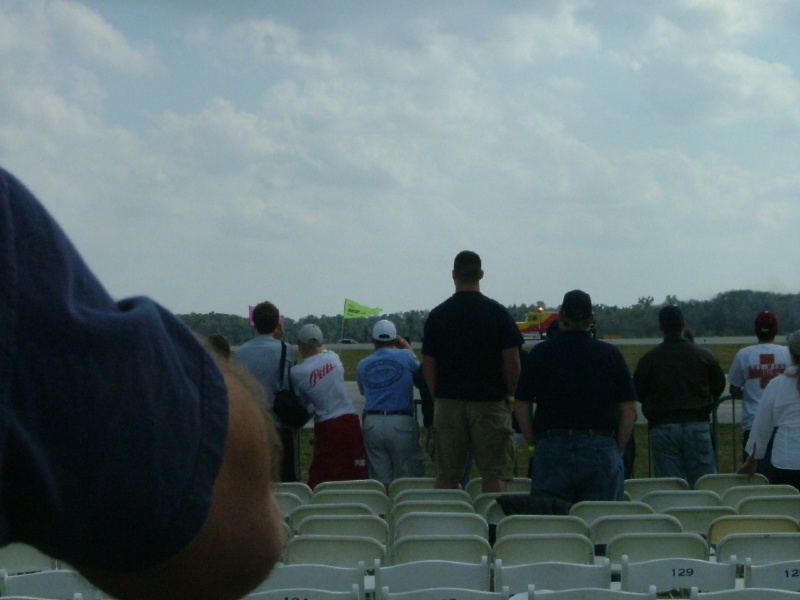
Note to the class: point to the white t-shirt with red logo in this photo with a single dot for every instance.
(752, 369)
(319, 383)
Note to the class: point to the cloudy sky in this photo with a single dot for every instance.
(213, 154)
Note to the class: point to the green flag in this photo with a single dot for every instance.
(354, 310)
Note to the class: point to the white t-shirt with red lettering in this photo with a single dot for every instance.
(319, 383)
(752, 369)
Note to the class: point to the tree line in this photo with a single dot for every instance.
(727, 314)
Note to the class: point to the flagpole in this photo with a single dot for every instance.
(344, 310)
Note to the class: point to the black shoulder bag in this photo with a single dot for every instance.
(286, 406)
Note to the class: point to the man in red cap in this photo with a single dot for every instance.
(752, 369)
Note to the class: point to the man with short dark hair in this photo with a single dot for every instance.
(262, 356)
(470, 361)
(390, 429)
(752, 369)
(678, 383)
(585, 408)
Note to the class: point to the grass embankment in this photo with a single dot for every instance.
(729, 436)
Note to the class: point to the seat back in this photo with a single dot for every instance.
(697, 519)
(736, 494)
(724, 526)
(481, 502)
(371, 526)
(639, 547)
(304, 511)
(296, 577)
(438, 593)
(307, 594)
(637, 488)
(744, 594)
(552, 575)
(432, 523)
(333, 550)
(474, 487)
(676, 574)
(777, 575)
(454, 548)
(430, 495)
(298, 488)
(377, 500)
(351, 485)
(424, 574)
(660, 501)
(590, 594)
(454, 506)
(22, 558)
(603, 529)
(532, 524)
(57, 584)
(761, 548)
(544, 547)
(410, 483)
(589, 510)
(719, 482)
(287, 502)
(786, 505)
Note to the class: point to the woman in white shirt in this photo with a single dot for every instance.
(779, 407)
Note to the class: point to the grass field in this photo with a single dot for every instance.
(632, 354)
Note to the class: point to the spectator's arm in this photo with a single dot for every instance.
(511, 369)
(627, 415)
(522, 410)
(429, 374)
(241, 538)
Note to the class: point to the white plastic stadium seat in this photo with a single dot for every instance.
(425, 574)
(552, 575)
(677, 574)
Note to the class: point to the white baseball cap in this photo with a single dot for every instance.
(309, 332)
(384, 331)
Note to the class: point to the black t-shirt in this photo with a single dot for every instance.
(466, 334)
(576, 382)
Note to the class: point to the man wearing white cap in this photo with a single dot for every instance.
(319, 384)
(391, 432)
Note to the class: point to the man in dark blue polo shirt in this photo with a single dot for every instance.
(585, 408)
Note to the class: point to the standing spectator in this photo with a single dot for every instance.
(319, 383)
(779, 407)
(752, 369)
(585, 408)
(262, 356)
(678, 383)
(390, 429)
(470, 360)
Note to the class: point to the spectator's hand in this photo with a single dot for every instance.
(748, 467)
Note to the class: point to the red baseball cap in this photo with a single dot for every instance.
(766, 323)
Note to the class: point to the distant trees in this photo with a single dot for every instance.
(728, 313)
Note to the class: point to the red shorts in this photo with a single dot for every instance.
(338, 451)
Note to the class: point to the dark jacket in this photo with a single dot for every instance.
(678, 381)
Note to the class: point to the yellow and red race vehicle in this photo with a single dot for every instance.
(536, 323)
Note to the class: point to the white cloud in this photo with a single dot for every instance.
(308, 159)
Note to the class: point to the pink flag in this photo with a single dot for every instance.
(251, 316)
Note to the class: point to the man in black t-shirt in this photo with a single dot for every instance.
(470, 361)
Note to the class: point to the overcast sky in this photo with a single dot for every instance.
(213, 154)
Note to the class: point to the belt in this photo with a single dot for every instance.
(570, 433)
(386, 413)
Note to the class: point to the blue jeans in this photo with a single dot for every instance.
(578, 468)
(682, 450)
